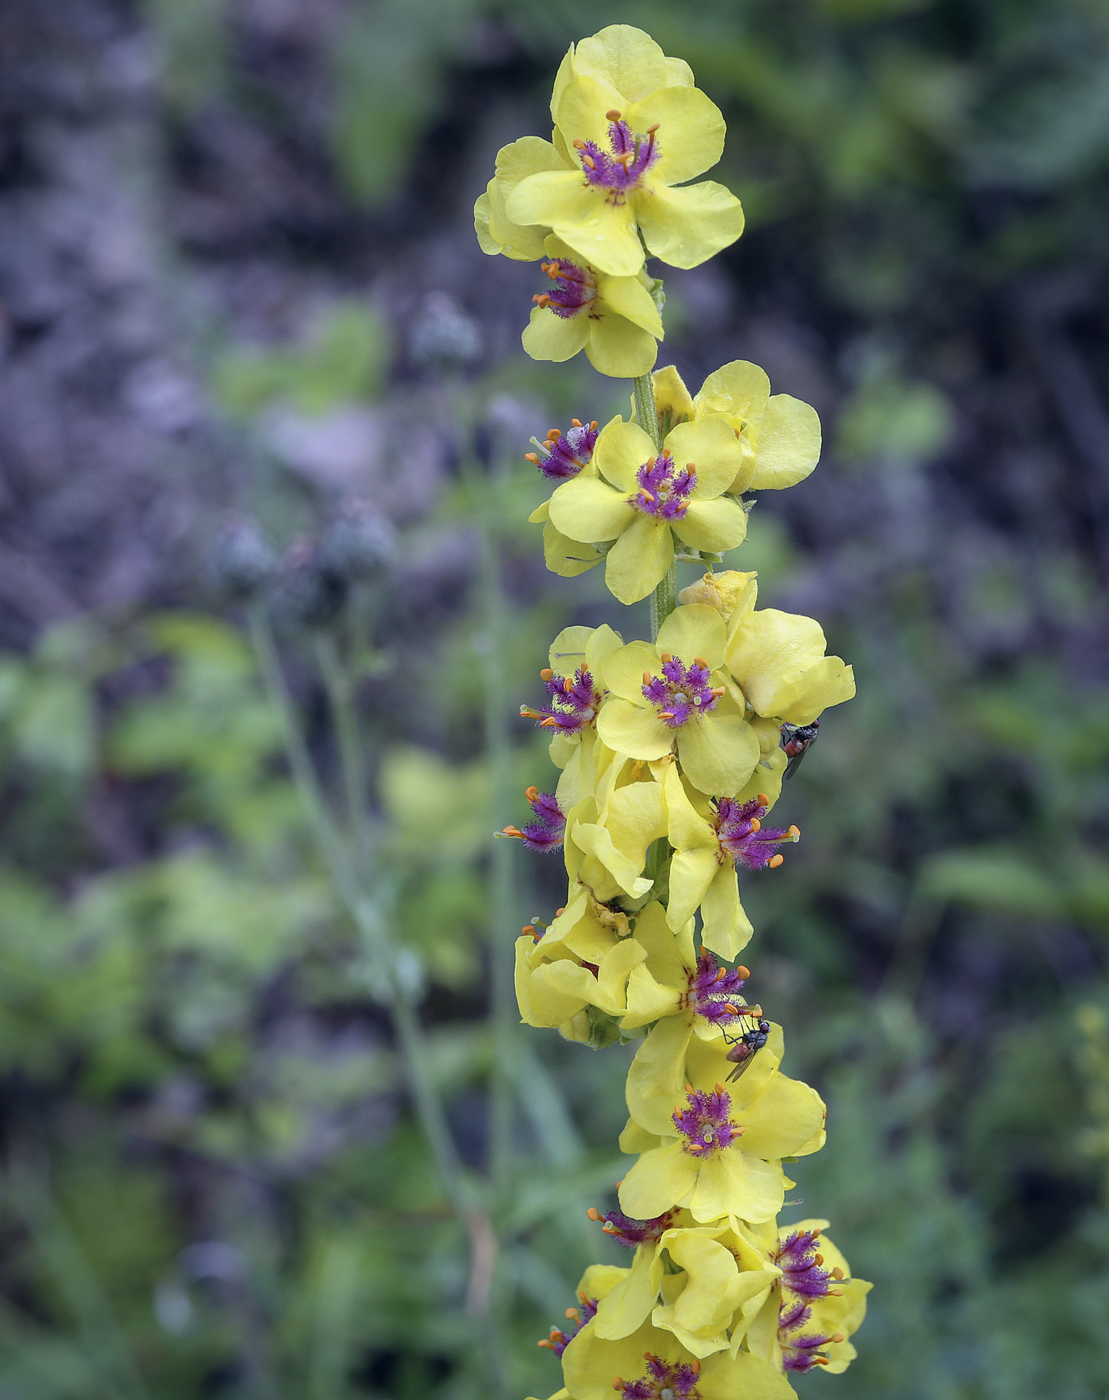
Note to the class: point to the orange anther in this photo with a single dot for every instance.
(764, 801)
(717, 691)
(730, 1009)
(647, 678)
(794, 831)
(837, 1272)
(541, 299)
(666, 714)
(548, 723)
(545, 1343)
(819, 1259)
(721, 973)
(837, 1337)
(531, 457)
(531, 793)
(529, 928)
(743, 972)
(593, 1213)
(689, 1088)
(560, 911)
(512, 831)
(618, 1384)
(567, 685)
(546, 673)
(700, 661)
(612, 115)
(573, 1314)
(594, 423)
(720, 1088)
(756, 825)
(775, 861)
(650, 132)
(575, 422)
(695, 1364)
(665, 655)
(553, 434)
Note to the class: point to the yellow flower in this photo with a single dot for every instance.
(496, 233)
(651, 1364)
(626, 147)
(713, 1282)
(613, 319)
(642, 500)
(711, 840)
(778, 435)
(675, 696)
(778, 659)
(577, 961)
(608, 834)
(814, 1308)
(718, 1145)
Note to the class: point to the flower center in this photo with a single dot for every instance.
(802, 1267)
(681, 692)
(560, 1338)
(575, 288)
(564, 454)
(665, 1380)
(545, 832)
(705, 1124)
(621, 168)
(631, 1233)
(664, 490)
(743, 837)
(574, 702)
(714, 992)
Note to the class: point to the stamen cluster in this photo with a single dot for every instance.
(681, 692)
(623, 165)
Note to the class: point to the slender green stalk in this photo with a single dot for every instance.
(340, 694)
(664, 598)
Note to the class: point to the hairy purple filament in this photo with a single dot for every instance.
(705, 1124)
(564, 454)
(560, 1338)
(743, 836)
(620, 169)
(574, 702)
(546, 831)
(714, 991)
(632, 1233)
(672, 1380)
(800, 1264)
(575, 288)
(681, 691)
(802, 1353)
(664, 491)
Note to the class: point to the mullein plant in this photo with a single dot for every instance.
(671, 755)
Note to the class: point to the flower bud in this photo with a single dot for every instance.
(241, 563)
(358, 543)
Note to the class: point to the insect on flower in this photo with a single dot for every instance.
(797, 740)
(749, 1043)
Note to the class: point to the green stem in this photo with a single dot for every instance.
(664, 599)
(340, 694)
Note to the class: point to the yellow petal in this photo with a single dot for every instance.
(693, 631)
(617, 348)
(658, 1181)
(582, 107)
(788, 437)
(656, 1079)
(743, 1377)
(710, 444)
(627, 58)
(639, 559)
(541, 514)
(599, 1280)
(567, 557)
(801, 698)
(602, 234)
(624, 668)
(628, 297)
(687, 226)
(586, 508)
(782, 1119)
(627, 1305)
(726, 929)
(621, 449)
(731, 1183)
(691, 874)
(558, 338)
(599, 648)
(515, 162)
(672, 399)
(610, 993)
(671, 957)
(718, 753)
(633, 730)
(690, 132)
(712, 525)
(739, 389)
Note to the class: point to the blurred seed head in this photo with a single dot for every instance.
(359, 542)
(443, 336)
(308, 593)
(241, 563)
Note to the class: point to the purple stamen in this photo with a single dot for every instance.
(743, 836)
(564, 454)
(622, 167)
(574, 702)
(800, 1264)
(714, 991)
(632, 1233)
(560, 1338)
(575, 288)
(664, 490)
(665, 1380)
(681, 692)
(545, 833)
(705, 1123)
(801, 1354)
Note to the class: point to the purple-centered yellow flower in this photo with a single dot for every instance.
(641, 499)
(624, 157)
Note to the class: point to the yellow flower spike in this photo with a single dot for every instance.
(652, 1363)
(778, 660)
(613, 319)
(642, 500)
(683, 707)
(781, 434)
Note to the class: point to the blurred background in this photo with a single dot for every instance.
(268, 605)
